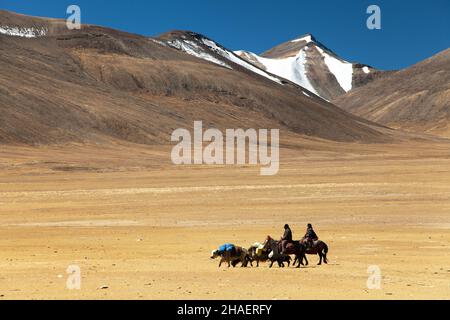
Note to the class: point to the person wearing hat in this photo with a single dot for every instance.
(286, 238)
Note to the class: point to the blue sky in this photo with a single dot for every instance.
(411, 30)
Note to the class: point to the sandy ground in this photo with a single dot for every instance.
(146, 233)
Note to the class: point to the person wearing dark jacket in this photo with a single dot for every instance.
(286, 238)
(310, 236)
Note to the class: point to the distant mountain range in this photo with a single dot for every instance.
(100, 85)
(303, 61)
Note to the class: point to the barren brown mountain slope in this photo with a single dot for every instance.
(416, 99)
(100, 85)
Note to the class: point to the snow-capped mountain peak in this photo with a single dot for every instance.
(303, 61)
(307, 38)
(310, 64)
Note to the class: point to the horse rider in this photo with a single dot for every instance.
(310, 236)
(286, 238)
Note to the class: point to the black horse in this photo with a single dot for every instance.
(296, 248)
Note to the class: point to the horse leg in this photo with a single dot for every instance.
(299, 258)
(246, 261)
(297, 261)
(320, 256)
(325, 260)
(271, 263)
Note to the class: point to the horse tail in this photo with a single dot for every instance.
(325, 250)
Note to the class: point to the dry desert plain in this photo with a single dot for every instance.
(140, 228)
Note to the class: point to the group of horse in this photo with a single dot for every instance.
(271, 251)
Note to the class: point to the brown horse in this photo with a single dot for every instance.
(296, 248)
(318, 247)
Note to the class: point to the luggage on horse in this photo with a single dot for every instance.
(230, 248)
(259, 248)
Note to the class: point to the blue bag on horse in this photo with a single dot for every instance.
(226, 247)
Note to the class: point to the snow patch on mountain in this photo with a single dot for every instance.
(234, 58)
(307, 38)
(342, 70)
(161, 43)
(23, 32)
(291, 68)
(192, 48)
